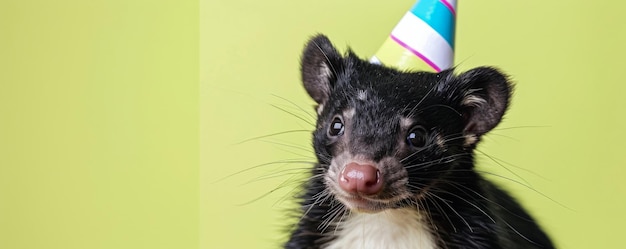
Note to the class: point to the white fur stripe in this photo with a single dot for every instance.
(392, 228)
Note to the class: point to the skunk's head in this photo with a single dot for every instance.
(387, 137)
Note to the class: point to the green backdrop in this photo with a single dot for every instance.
(121, 122)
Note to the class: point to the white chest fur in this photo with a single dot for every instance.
(398, 229)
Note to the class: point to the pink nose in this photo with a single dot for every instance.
(360, 178)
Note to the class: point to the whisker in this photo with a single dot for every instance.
(345, 212)
(457, 185)
(271, 135)
(298, 171)
(412, 112)
(451, 208)
(329, 218)
(488, 135)
(520, 127)
(518, 233)
(518, 167)
(529, 187)
(465, 200)
(302, 148)
(438, 207)
(289, 161)
(296, 105)
(293, 114)
(316, 201)
(507, 169)
(442, 160)
(280, 186)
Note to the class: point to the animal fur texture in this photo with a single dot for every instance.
(395, 155)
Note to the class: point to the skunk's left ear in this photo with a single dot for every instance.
(484, 94)
(320, 65)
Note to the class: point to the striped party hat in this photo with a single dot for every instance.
(423, 39)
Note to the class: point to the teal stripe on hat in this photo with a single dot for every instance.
(438, 16)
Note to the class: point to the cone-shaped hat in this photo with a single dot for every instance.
(423, 39)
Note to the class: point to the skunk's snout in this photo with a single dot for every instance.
(362, 179)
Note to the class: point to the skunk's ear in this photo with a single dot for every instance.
(484, 94)
(320, 62)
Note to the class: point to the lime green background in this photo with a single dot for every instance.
(121, 120)
(564, 134)
(99, 124)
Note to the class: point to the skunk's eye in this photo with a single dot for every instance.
(336, 127)
(417, 136)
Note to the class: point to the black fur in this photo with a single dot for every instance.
(464, 209)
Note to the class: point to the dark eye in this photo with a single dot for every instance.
(417, 137)
(336, 127)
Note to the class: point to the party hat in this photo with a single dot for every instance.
(423, 39)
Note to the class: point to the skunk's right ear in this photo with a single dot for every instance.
(483, 94)
(320, 62)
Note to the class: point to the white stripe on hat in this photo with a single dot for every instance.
(420, 37)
